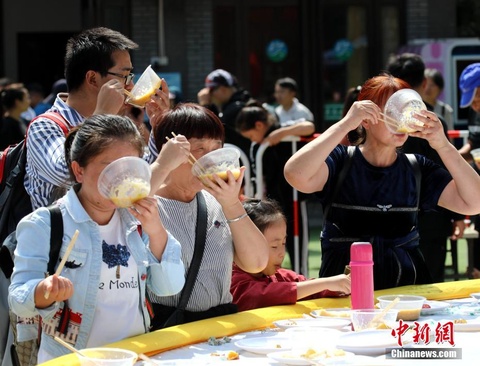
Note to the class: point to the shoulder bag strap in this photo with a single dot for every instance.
(418, 174)
(56, 236)
(200, 236)
(340, 179)
(56, 240)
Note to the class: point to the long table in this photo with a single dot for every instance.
(176, 337)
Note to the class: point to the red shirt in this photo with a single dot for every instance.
(250, 292)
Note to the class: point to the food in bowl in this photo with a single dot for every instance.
(400, 110)
(408, 306)
(373, 319)
(125, 181)
(144, 88)
(129, 191)
(323, 353)
(217, 162)
(335, 313)
(220, 171)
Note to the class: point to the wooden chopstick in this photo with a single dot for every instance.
(146, 358)
(388, 118)
(379, 317)
(202, 169)
(191, 158)
(388, 123)
(64, 259)
(127, 93)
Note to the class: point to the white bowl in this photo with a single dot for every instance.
(475, 295)
(217, 162)
(371, 319)
(144, 88)
(409, 306)
(401, 107)
(125, 181)
(107, 357)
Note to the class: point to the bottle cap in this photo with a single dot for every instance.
(361, 252)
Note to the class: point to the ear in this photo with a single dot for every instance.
(92, 78)
(424, 84)
(259, 125)
(77, 172)
(365, 124)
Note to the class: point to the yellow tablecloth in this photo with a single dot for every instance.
(182, 335)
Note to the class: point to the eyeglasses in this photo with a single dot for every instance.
(128, 78)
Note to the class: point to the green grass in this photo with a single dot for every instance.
(314, 250)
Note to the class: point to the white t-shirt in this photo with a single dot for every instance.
(117, 314)
(297, 113)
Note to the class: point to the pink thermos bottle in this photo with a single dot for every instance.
(361, 272)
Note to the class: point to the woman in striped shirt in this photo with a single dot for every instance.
(230, 233)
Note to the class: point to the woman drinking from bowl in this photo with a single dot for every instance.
(230, 233)
(374, 193)
(100, 294)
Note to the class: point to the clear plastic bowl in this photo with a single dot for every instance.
(475, 155)
(107, 357)
(125, 181)
(409, 306)
(365, 319)
(401, 107)
(217, 162)
(144, 88)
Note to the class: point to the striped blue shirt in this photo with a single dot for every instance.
(46, 167)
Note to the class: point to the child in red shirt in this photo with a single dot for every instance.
(276, 285)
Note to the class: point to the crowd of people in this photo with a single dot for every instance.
(193, 251)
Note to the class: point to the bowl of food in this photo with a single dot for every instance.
(373, 319)
(408, 306)
(400, 110)
(144, 88)
(217, 162)
(106, 357)
(125, 181)
(476, 156)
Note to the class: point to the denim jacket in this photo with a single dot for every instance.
(164, 278)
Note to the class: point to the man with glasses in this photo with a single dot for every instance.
(98, 69)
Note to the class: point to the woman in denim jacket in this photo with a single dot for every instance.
(99, 296)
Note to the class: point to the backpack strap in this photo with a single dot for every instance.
(56, 236)
(55, 117)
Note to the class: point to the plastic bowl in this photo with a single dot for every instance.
(144, 88)
(475, 295)
(401, 107)
(475, 155)
(125, 181)
(217, 162)
(107, 357)
(408, 307)
(365, 319)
